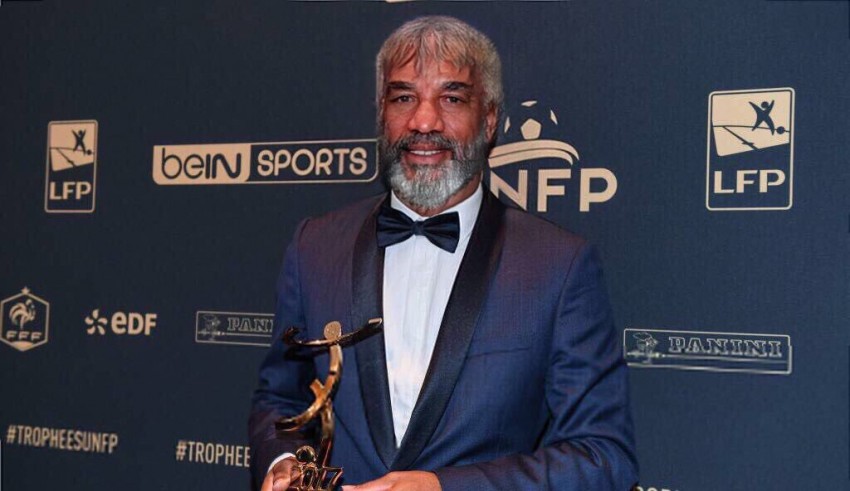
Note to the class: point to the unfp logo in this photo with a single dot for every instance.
(533, 169)
(750, 160)
(306, 162)
(120, 323)
(25, 320)
(71, 167)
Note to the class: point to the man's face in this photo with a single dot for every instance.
(436, 131)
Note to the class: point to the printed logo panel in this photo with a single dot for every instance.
(239, 328)
(68, 439)
(201, 164)
(24, 320)
(308, 162)
(710, 351)
(120, 323)
(750, 150)
(71, 172)
(213, 453)
(535, 165)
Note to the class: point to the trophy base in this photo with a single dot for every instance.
(313, 477)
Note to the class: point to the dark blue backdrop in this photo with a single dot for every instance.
(629, 85)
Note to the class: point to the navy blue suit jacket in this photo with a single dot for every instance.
(526, 389)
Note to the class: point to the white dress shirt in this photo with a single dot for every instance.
(418, 279)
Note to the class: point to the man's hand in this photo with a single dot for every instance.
(280, 476)
(400, 481)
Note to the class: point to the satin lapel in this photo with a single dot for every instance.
(367, 282)
(470, 289)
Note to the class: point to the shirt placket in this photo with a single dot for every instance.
(417, 320)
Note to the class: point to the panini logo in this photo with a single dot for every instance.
(308, 162)
(239, 328)
(708, 351)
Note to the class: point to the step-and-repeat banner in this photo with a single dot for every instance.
(156, 157)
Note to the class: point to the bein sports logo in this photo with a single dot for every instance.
(708, 351)
(71, 167)
(301, 162)
(548, 160)
(750, 158)
(24, 320)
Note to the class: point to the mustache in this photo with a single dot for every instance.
(404, 143)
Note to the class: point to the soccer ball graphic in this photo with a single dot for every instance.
(528, 121)
(531, 133)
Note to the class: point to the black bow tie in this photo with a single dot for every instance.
(394, 226)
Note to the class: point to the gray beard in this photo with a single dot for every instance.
(432, 185)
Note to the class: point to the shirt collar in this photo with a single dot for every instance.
(466, 209)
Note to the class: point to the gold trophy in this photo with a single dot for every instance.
(312, 470)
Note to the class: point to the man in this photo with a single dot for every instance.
(498, 367)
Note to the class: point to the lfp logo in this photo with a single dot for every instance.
(71, 167)
(539, 166)
(750, 160)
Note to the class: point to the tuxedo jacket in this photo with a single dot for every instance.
(526, 388)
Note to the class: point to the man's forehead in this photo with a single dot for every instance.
(414, 70)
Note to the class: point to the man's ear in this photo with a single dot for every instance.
(491, 120)
(380, 113)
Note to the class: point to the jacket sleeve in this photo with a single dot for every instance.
(284, 379)
(589, 442)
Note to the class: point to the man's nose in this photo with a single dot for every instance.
(426, 118)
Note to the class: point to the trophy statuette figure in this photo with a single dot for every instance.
(311, 470)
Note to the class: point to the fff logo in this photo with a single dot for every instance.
(24, 320)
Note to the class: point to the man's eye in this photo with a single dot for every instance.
(402, 98)
(453, 100)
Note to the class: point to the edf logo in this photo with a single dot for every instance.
(120, 323)
(750, 160)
